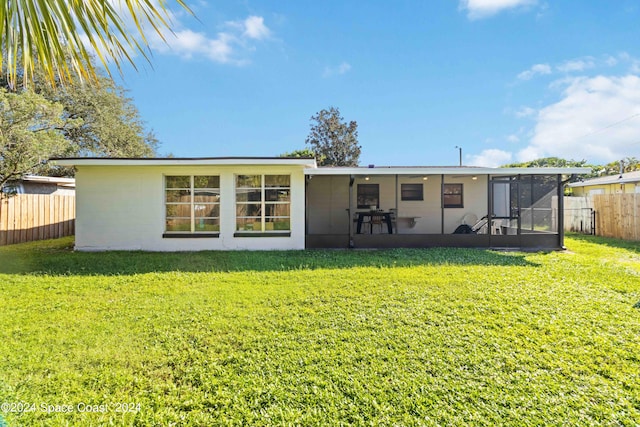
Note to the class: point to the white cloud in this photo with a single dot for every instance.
(597, 119)
(634, 63)
(525, 112)
(343, 68)
(581, 65)
(479, 9)
(537, 69)
(513, 138)
(577, 65)
(187, 44)
(230, 46)
(255, 28)
(490, 158)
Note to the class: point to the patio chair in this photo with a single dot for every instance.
(482, 226)
(376, 220)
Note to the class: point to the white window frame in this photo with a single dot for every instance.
(263, 204)
(192, 205)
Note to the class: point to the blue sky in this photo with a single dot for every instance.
(506, 80)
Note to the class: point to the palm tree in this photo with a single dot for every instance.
(58, 36)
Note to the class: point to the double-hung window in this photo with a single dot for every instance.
(263, 204)
(192, 204)
(452, 196)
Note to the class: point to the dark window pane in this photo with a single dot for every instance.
(452, 197)
(368, 195)
(206, 181)
(203, 224)
(248, 196)
(249, 181)
(205, 196)
(206, 210)
(412, 192)
(178, 196)
(178, 181)
(277, 224)
(183, 211)
(277, 195)
(277, 180)
(178, 224)
(273, 209)
(248, 209)
(248, 224)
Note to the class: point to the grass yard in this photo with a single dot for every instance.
(390, 337)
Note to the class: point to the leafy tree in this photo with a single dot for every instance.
(629, 164)
(305, 152)
(553, 162)
(30, 132)
(111, 124)
(333, 140)
(548, 162)
(57, 36)
(95, 120)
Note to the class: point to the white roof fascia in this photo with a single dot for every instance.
(231, 161)
(49, 179)
(599, 181)
(445, 171)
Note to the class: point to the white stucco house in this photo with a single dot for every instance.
(190, 204)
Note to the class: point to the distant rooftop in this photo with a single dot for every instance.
(626, 177)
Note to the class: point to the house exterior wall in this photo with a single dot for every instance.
(475, 194)
(327, 204)
(123, 208)
(625, 188)
(426, 212)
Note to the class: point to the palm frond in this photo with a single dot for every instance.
(59, 36)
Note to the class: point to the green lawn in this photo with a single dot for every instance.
(392, 337)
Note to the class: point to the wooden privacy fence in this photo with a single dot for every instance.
(578, 215)
(27, 217)
(617, 215)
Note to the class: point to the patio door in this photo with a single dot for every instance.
(505, 211)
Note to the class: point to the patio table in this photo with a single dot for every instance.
(371, 215)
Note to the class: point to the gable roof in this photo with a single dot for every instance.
(627, 177)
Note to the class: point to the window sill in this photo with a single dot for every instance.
(189, 235)
(261, 234)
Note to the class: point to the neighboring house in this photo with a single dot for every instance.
(625, 183)
(32, 184)
(175, 204)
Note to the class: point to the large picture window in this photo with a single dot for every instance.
(263, 203)
(368, 196)
(192, 204)
(452, 196)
